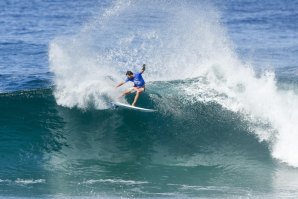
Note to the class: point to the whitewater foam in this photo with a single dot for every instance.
(116, 181)
(23, 181)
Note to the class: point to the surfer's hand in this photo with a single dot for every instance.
(143, 68)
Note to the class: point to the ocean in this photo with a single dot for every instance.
(222, 75)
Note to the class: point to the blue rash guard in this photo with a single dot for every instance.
(137, 80)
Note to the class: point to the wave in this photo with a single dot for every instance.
(194, 130)
(109, 148)
(178, 41)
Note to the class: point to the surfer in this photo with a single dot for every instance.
(139, 84)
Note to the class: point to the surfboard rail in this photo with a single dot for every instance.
(119, 104)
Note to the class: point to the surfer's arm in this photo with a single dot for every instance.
(120, 84)
(143, 69)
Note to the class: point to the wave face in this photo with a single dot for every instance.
(169, 153)
(178, 41)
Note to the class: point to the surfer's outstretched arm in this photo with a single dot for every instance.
(120, 84)
(143, 69)
(125, 92)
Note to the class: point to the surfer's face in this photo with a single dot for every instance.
(129, 76)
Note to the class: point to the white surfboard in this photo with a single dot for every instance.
(133, 107)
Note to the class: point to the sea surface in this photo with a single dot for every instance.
(222, 75)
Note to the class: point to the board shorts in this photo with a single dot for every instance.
(132, 90)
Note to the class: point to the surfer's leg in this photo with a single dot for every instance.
(139, 90)
(128, 91)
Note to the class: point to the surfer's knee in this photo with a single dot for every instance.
(139, 91)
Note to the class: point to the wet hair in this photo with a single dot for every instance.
(129, 73)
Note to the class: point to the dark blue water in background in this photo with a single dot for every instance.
(27, 27)
(198, 149)
(264, 32)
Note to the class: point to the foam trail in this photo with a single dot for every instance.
(84, 78)
(177, 40)
(77, 85)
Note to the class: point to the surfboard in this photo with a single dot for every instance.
(119, 104)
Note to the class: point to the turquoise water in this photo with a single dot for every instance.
(222, 76)
(108, 152)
